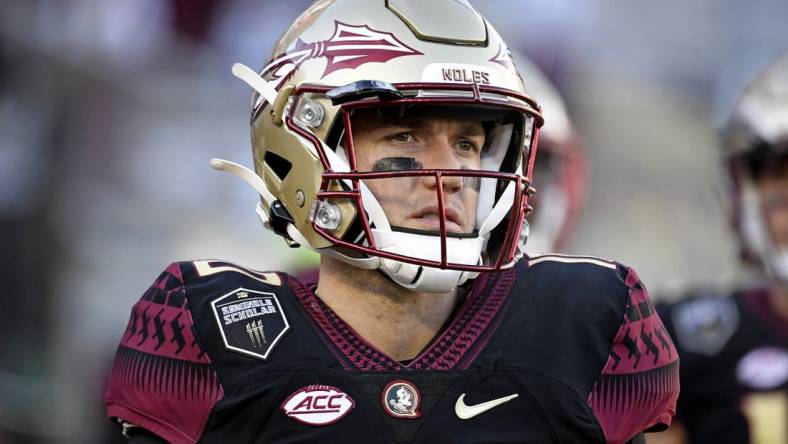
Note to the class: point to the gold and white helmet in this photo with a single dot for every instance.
(754, 138)
(344, 55)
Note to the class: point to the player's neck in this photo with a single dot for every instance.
(397, 321)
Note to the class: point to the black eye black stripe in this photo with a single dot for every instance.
(409, 163)
(396, 164)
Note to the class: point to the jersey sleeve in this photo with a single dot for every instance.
(161, 379)
(639, 384)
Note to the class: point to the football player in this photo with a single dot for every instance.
(396, 140)
(734, 347)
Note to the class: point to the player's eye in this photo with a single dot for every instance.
(467, 145)
(406, 137)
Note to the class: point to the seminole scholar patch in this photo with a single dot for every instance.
(251, 322)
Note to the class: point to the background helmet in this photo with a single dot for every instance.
(754, 137)
(345, 55)
(561, 173)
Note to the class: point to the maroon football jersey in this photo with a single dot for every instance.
(557, 349)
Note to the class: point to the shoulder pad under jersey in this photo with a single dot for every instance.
(162, 378)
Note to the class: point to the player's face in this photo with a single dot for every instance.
(392, 143)
(773, 188)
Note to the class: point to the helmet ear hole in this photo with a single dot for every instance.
(278, 164)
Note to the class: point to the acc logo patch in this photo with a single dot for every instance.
(251, 322)
(318, 405)
(401, 399)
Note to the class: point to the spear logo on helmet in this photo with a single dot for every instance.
(349, 47)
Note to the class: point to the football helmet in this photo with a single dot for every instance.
(396, 57)
(755, 136)
(561, 172)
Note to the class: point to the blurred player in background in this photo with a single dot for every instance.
(561, 175)
(734, 348)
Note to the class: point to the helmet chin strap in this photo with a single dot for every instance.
(428, 279)
(756, 233)
(419, 278)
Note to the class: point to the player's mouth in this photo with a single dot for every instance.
(428, 218)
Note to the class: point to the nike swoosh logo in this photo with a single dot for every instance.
(465, 411)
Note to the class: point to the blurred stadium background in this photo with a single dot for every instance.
(110, 110)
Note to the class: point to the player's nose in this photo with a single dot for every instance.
(443, 156)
